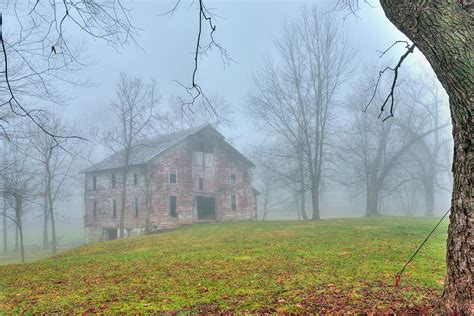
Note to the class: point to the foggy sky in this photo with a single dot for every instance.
(247, 30)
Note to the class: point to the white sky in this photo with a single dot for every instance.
(247, 30)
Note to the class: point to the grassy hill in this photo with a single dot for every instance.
(345, 265)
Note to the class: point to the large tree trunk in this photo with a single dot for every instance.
(372, 195)
(45, 224)
(315, 201)
(17, 240)
(302, 187)
(45, 215)
(5, 236)
(443, 31)
(123, 203)
(22, 248)
(19, 229)
(429, 197)
(54, 242)
(302, 197)
(49, 195)
(372, 207)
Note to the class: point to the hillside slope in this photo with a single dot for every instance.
(335, 265)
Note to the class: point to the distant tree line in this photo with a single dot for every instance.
(312, 100)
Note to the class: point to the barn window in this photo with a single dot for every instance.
(136, 207)
(114, 209)
(201, 184)
(172, 177)
(135, 178)
(232, 178)
(173, 207)
(94, 208)
(113, 180)
(94, 183)
(233, 202)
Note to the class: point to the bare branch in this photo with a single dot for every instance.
(390, 96)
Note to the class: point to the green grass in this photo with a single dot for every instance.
(343, 265)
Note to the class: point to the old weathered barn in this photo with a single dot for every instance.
(179, 178)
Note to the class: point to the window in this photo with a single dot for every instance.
(136, 207)
(232, 178)
(94, 183)
(94, 208)
(173, 207)
(172, 178)
(135, 178)
(233, 202)
(114, 209)
(113, 180)
(201, 184)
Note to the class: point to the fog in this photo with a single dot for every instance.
(163, 52)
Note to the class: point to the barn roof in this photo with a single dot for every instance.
(149, 149)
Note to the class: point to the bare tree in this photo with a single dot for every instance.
(134, 115)
(295, 99)
(271, 179)
(20, 180)
(55, 158)
(428, 165)
(377, 148)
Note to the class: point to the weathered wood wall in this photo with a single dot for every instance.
(153, 184)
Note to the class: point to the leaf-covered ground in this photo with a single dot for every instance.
(345, 265)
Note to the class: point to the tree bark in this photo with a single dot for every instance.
(123, 203)
(443, 31)
(302, 197)
(5, 235)
(45, 221)
(17, 240)
(22, 248)
(19, 229)
(54, 242)
(315, 201)
(372, 207)
(50, 201)
(429, 197)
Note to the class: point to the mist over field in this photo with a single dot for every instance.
(190, 120)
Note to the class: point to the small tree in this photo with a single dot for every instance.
(20, 180)
(55, 158)
(134, 114)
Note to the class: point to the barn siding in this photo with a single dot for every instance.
(215, 168)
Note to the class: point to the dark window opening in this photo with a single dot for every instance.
(173, 207)
(172, 176)
(135, 178)
(233, 179)
(94, 208)
(114, 209)
(136, 207)
(201, 184)
(233, 201)
(94, 183)
(113, 180)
